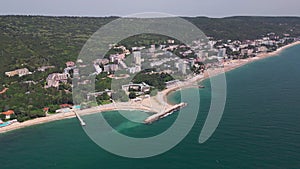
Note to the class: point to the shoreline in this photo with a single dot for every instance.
(229, 67)
(157, 103)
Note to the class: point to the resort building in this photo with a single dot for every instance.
(106, 68)
(65, 106)
(262, 49)
(117, 57)
(114, 67)
(111, 68)
(138, 48)
(98, 69)
(182, 66)
(222, 52)
(44, 68)
(69, 68)
(46, 109)
(101, 61)
(54, 79)
(137, 57)
(63, 110)
(70, 64)
(75, 72)
(171, 41)
(152, 49)
(8, 114)
(135, 69)
(142, 87)
(172, 83)
(20, 72)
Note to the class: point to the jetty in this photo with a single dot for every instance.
(201, 87)
(82, 123)
(164, 114)
(198, 86)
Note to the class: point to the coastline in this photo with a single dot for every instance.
(228, 67)
(157, 102)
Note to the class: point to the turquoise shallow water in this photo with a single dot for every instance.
(259, 129)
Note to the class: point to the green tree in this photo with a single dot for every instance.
(103, 99)
(120, 95)
(2, 117)
(53, 108)
(132, 95)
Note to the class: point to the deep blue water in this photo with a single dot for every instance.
(259, 129)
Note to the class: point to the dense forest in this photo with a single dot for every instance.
(34, 41)
(247, 27)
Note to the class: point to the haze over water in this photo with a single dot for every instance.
(259, 129)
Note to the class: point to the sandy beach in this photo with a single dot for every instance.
(155, 104)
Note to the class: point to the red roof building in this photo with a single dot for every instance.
(4, 90)
(70, 64)
(8, 114)
(46, 109)
(65, 106)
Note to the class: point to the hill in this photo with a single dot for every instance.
(34, 41)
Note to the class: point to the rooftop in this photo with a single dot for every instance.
(9, 112)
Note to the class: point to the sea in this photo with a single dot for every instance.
(259, 129)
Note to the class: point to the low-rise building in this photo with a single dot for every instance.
(44, 68)
(137, 57)
(117, 57)
(101, 61)
(98, 69)
(65, 106)
(70, 64)
(19, 72)
(54, 79)
(111, 68)
(68, 69)
(46, 109)
(262, 49)
(63, 110)
(135, 69)
(182, 66)
(138, 48)
(172, 83)
(171, 41)
(222, 52)
(8, 114)
(142, 87)
(76, 72)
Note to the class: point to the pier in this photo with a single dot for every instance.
(82, 123)
(164, 114)
(198, 86)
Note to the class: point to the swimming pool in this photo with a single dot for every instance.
(77, 107)
(5, 124)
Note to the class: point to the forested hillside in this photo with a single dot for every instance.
(34, 41)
